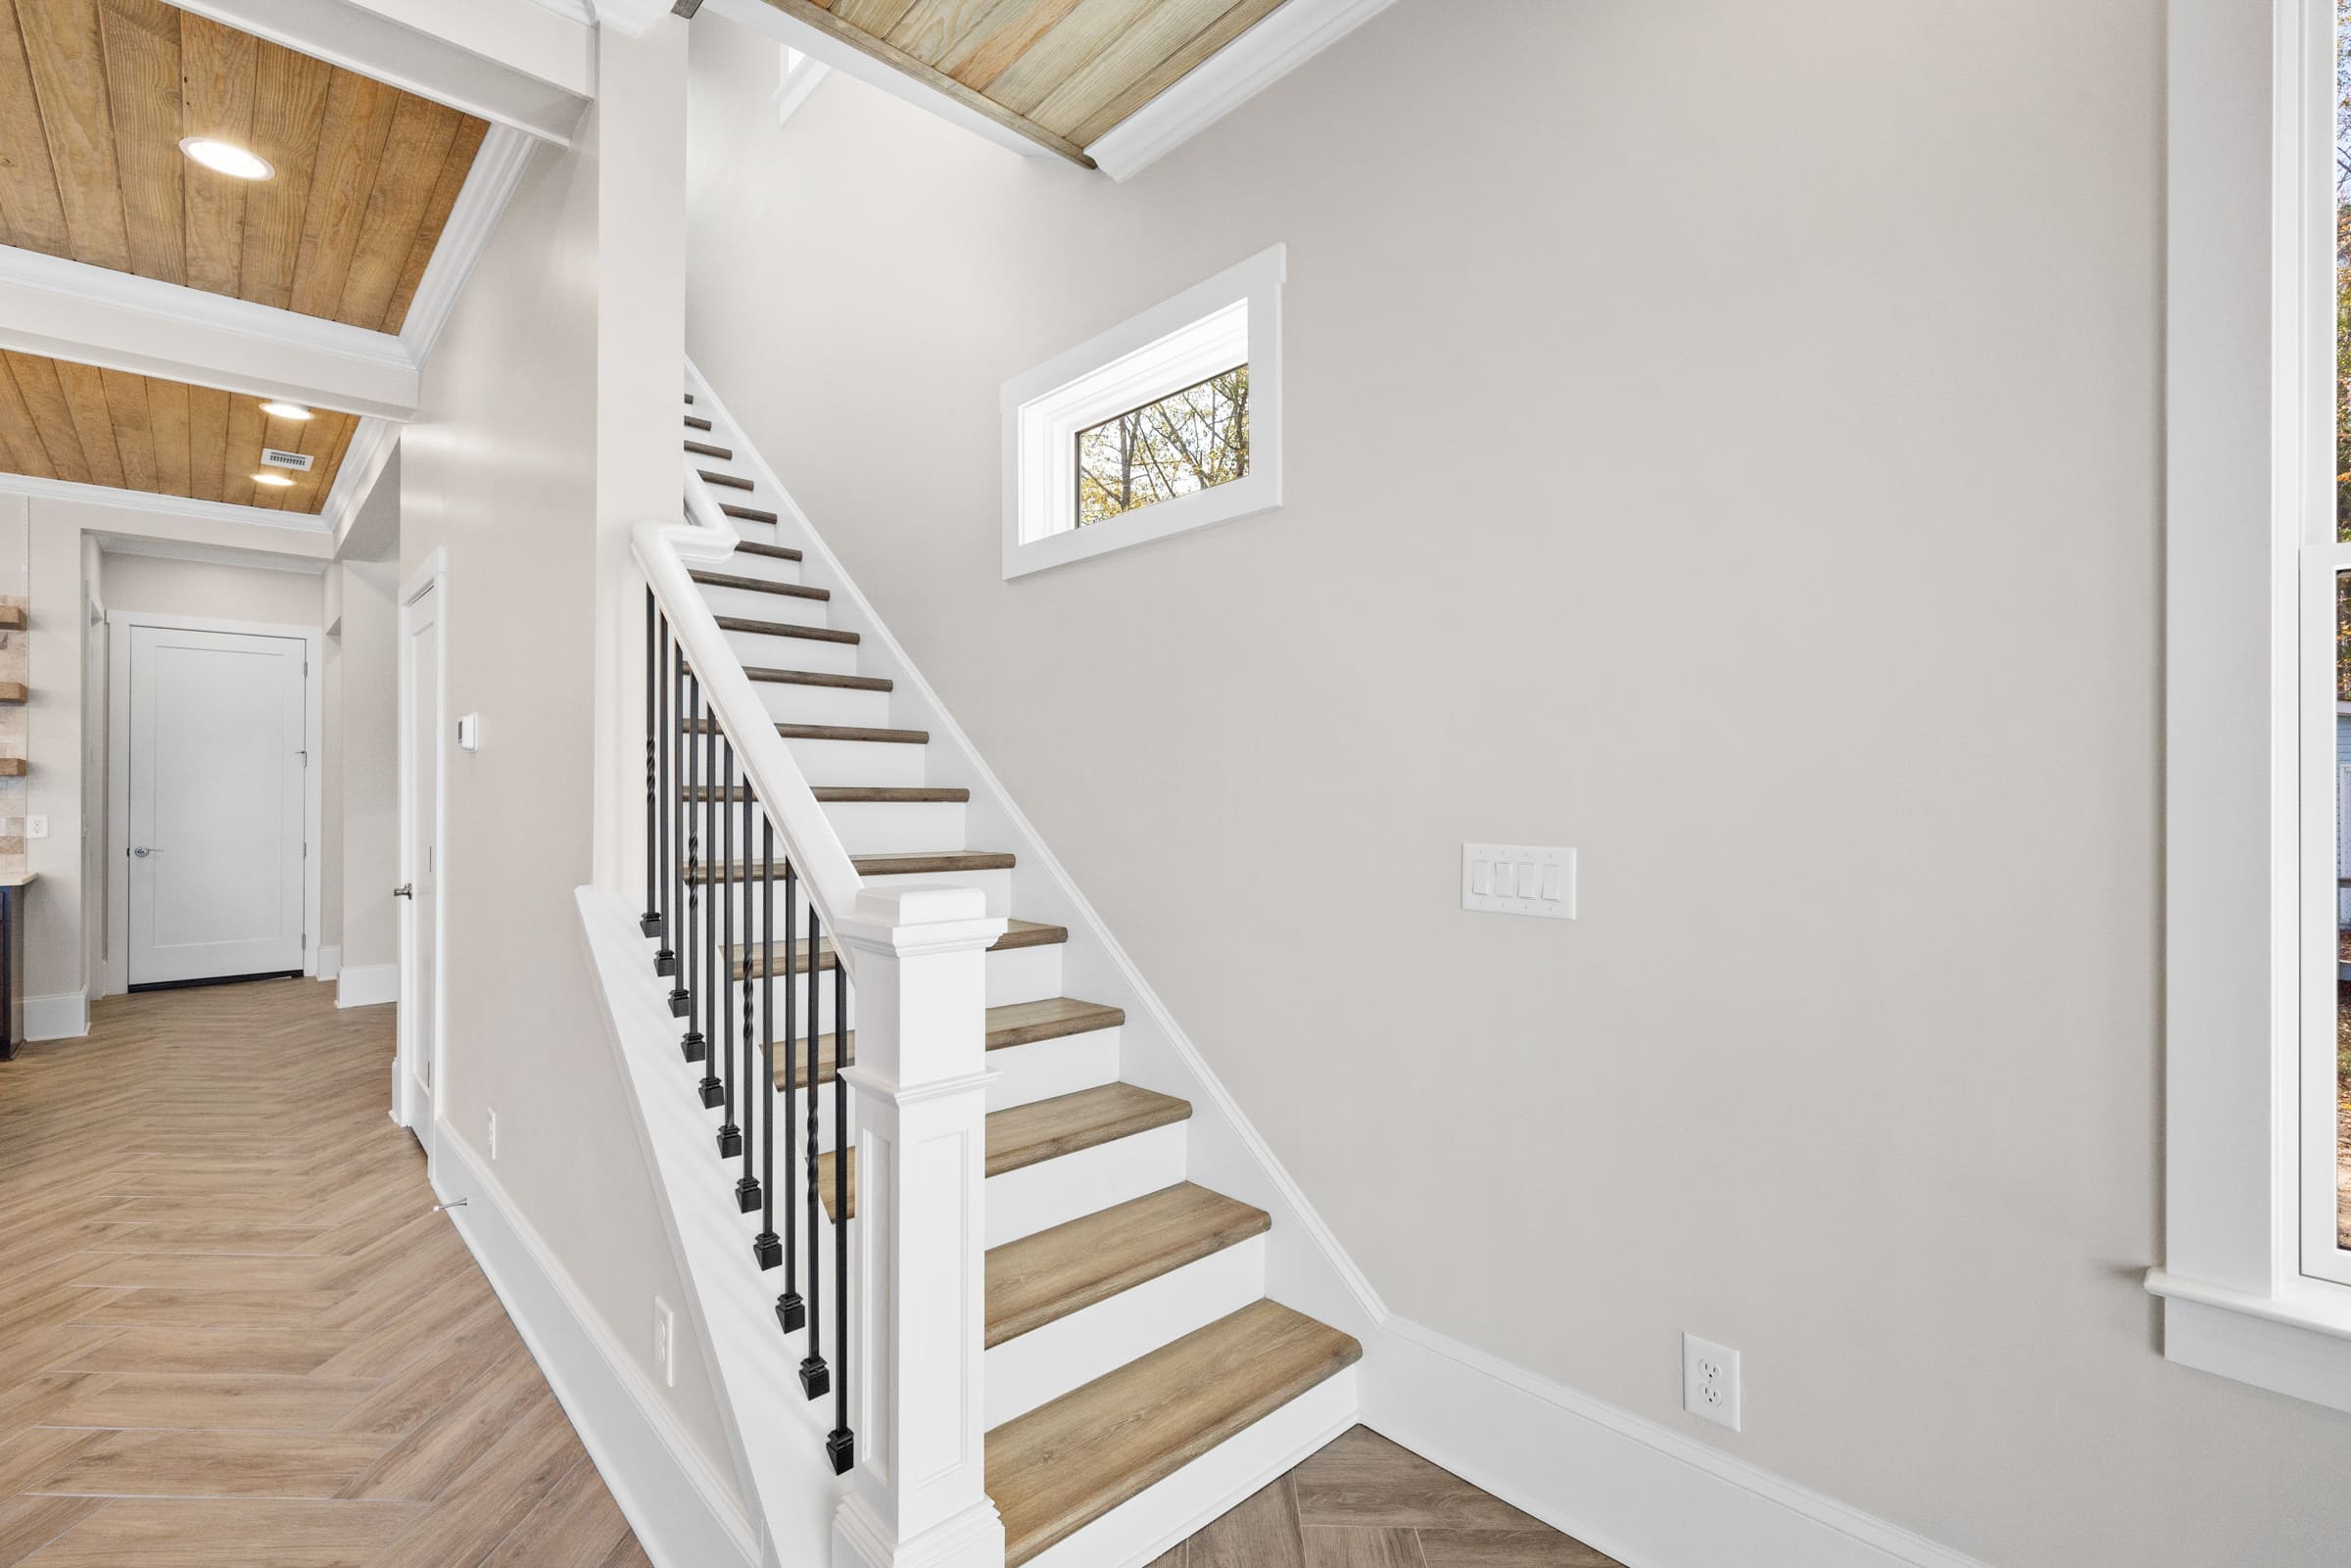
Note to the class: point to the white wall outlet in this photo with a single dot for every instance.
(1710, 1381)
(665, 1343)
(494, 1136)
(36, 826)
(1518, 879)
(469, 733)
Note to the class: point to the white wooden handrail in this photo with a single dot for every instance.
(806, 837)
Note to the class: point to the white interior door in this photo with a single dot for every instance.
(420, 911)
(216, 877)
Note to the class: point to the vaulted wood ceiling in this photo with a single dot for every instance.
(94, 98)
(1061, 72)
(61, 420)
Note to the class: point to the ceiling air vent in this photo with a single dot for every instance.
(298, 461)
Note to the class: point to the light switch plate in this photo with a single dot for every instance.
(1518, 879)
(469, 733)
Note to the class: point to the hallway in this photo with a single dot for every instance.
(235, 1334)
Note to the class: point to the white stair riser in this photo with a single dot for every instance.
(1043, 1070)
(995, 884)
(790, 702)
(897, 827)
(1014, 974)
(790, 609)
(793, 652)
(1138, 1531)
(1054, 1192)
(859, 761)
(1047, 1362)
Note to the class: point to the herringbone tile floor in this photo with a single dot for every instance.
(1363, 1502)
(232, 1333)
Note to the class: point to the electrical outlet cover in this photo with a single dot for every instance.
(1710, 1381)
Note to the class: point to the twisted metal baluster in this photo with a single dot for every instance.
(813, 1378)
(714, 967)
(687, 998)
(791, 1310)
(840, 1445)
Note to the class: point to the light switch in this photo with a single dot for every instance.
(469, 733)
(1523, 880)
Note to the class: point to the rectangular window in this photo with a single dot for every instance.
(1168, 423)
(1186, 443)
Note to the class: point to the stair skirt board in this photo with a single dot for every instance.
(684, 1512)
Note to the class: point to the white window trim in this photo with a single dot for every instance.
(797, 77)
(1164, 349)
(2250, 529)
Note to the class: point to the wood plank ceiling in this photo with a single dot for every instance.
(60, 420)
(94, 98)
(1059, 71)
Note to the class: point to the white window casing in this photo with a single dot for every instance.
(2252, 1285)
(1233, 318)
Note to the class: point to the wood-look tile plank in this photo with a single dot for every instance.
(575, 1522)
(1509, 1548)
(252, 1351)
(209, 1464)
(219, 1401)
(217, 66)
(205, 1271)
(227, 1532)
(480, 1507)
(209, 1309)
(31, 216)
(1362, 1479)
(628, 1554)
(1342, 1547)
(142, 78)
(29, 1522)
(37, 1453)
(1261, 1533)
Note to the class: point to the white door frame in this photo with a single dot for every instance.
(119, 626)
(431, 575)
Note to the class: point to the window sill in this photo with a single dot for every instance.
(2296, 1341)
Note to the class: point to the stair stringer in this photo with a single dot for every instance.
(1306, 1268)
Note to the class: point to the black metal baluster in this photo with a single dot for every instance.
(840, 1445)
(791, 1310)
(683, 998)
(759, 1054)
(714, 957)
(665, 957)
(722, 1039)
(757, 948)
(649, 923)
(813, 1379)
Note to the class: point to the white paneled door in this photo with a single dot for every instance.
(217, 805)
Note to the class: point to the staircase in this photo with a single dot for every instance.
(1129, 1332)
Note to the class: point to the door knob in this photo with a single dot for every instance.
(142, 851)
(404, 890)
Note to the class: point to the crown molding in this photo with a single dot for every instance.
(489, 185)
(1293, 34)
(175, 549)
(311, 524)
(371, 446)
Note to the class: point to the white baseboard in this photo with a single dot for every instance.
(367, 985)
(63, 1017)
(1647, 1495)
(684, 1515)
(330, 963)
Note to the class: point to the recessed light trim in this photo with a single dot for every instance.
(279, 481)
(285, 411)
(227, 158)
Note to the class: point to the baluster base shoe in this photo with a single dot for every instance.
(791, 1310)
(650, 925)
(730, 1140)
(840, 1446)
(768, 1248)
(680, 1002)
(816, 1378)
(694, 1047)
(715, 1094)
(748, 1195)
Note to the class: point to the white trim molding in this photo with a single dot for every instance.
(2249, 415)
(1233, 317)
(497, 167)
(147, 500)
(330, 964)
(1287, 38)
(684, 1513)
(367, 985)
(63, 1017)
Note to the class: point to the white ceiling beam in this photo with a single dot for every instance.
(511, 62)
(93, 316)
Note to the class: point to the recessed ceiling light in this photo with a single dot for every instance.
(285, 411)
(279, 480)
(227, 158)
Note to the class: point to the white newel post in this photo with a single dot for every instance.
(918, 1247)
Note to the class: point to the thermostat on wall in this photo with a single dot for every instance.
(469, 733)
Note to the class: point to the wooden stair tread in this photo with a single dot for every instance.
(945, 860)
(829, 731)
(1045, 1277)
(704, 449)
(1066, 1463)
(12, 766)
(751, 514)
(758, 585)
(850, 683)
(710, 477)
(1047, 1129)
(744, 961)
(690, 396)
(696, 421)
(1015, 1023)
(12, 617)
(749, 547)
(14, 691)
(814, 634)
(888, 794)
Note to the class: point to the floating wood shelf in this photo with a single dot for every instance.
(12, 617)
(12, 766)
(14, 691)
